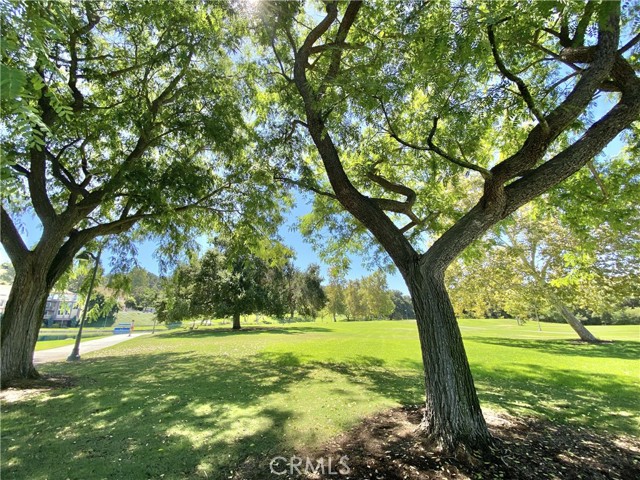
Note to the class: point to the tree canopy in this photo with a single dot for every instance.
(119, 117)
(429, 123)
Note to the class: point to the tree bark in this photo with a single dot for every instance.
(453, 417)
(236, 321)
(21, 323)
(584, 334)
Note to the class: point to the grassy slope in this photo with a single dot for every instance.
(194, 404)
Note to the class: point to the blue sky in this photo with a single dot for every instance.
(305, 254)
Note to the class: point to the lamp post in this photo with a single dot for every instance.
(75, 354)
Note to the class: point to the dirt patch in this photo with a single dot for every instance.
(25, 389)
(388, 447)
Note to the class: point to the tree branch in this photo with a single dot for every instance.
(282, 70)
(365, 210)
(63, 174)
(394, 187)
(305, 186)
(336, 56)
(432, 147)
(522, 87)
(538, 141)
(11, 239)
(394, 205)
(630, 44)
(93, 19)
(585, 20)
(574, 157)
(20, 169)
(598, 179)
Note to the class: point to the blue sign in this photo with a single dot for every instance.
(122, 328)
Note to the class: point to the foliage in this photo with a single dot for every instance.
(434, 122)
(402, 306)
(367, 298)
(7, 273)
(308, 296)
(142, 286)
(334, 293)
(379, 110)
(174, 303)
(234, 283)
(103, 310)
(539, 258)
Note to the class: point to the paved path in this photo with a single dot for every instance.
(61, 353)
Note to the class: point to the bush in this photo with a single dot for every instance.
(626, 316)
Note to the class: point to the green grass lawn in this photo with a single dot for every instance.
(197, 404)
(48, 344)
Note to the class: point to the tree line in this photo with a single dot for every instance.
(232, 282)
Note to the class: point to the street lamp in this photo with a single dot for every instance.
(75, 354)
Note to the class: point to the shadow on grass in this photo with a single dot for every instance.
(594, 400)
(619, 349)
(183, 415)
(226, 332)
(405, 386)
(166, 415)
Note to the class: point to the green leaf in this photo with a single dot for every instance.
(12, 81)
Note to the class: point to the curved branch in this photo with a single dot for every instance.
(522, 87)
(432, 147)
(11, 239)
(305, 186)
(394, 187)
(537, 142)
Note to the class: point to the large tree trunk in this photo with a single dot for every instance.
(453, 417)
(236, 321)
(21, 323)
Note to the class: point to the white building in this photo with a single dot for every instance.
(62, 309)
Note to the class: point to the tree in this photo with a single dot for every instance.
(102, 310)
(311, 296)
(539, 246)
(513, 88)
(402, 307)
(118, 117)
(234, 282)
(142, 285)
(376, 296)
(334, 293)
(536, 264)
(354, 304)
(174, 302)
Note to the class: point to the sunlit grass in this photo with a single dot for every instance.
(49, 344)
(197, 404)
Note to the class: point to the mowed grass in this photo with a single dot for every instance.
(49, 344)
(199, 404)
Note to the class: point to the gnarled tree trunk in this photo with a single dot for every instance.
(21, 323)
(453, 416)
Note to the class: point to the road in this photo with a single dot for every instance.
(61, 353)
